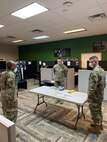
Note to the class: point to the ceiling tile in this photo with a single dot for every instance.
(54, 22)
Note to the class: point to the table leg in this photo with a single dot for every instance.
(80, 113)
(39, 103)
(78, 116)
(83, 112)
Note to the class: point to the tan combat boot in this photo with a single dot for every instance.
(93, 125)
(96, 129)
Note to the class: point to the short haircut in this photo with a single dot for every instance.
(59, 58)
(93, 58)
(10, 64)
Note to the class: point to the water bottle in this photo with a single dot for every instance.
(94, 138)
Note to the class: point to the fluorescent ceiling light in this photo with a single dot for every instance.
(74, 31)
(30, 11)
(15, 41)
(41, 37)
(1, 26)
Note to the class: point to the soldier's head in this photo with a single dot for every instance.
(11, 65)
(59, 60)
(93, 61)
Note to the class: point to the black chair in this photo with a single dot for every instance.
(22, 84)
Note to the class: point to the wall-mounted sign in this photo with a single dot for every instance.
(64, 52)
(100, 46)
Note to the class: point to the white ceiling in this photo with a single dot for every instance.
(54, 22)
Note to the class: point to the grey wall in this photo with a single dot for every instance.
(8, 52)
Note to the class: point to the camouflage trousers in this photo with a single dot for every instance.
(96, 112)
(58, 83)
(10, 110)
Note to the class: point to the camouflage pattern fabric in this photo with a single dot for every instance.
(9, 102)
(96, 112)
(60, 72)
(96, 87)
(58, 83)
(0, 94)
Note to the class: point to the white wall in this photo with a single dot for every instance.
(9, 52)
(83, 79)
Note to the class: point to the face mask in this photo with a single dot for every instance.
(91, 65)
(15, 70)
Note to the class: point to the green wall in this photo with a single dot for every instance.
(45, 51)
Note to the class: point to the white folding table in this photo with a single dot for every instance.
(77, 98)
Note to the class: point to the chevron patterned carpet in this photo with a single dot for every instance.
(54, 123)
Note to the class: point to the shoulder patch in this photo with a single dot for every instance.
(10, 79)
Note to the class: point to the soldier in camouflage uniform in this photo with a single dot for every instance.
(60, 72)
(8, 87)
(96, 87)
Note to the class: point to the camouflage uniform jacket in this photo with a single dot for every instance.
(97, 84)
(60, 72)
(8, 86)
